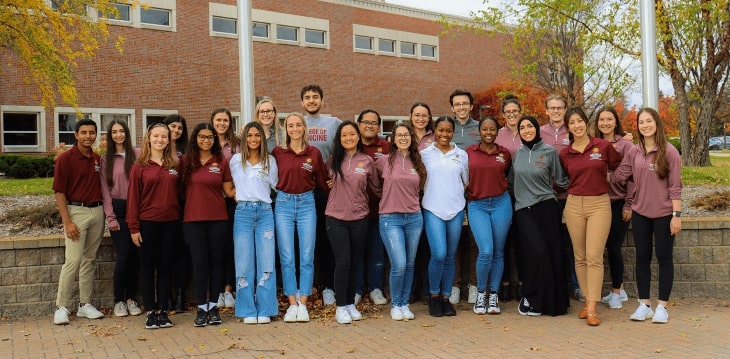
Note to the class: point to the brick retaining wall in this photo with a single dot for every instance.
(29, 268)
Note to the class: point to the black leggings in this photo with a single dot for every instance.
(657, 229)
(614, 243)
(206, 241)
(156, 256)
(348, 244)
(126, 267)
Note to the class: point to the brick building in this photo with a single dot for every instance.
(181, 56)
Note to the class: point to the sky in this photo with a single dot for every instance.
(464, 7)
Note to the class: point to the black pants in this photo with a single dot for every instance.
(181, 261)
(615, 241)
(126, 267)
(647, 230)
(324, 260)
(156, 257)
(348, 244)
(206, 241)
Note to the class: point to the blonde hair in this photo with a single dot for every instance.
(169, 158)
(275, 126)
(287, 143)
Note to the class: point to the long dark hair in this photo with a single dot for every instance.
(429, 126)
(574, 111)
(111, 150)
(230, 134)
(193, 152)
(413, 154)
(618, 130)
(661, 164)
(339, 152)
(263, 150)
(181, 144)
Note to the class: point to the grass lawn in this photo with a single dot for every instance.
(36, 186)
(717, 175)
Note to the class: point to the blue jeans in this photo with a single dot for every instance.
(296, 211)
(489, 219)
(254, 251)
(443, 239)
(401, 233)
(374, 260)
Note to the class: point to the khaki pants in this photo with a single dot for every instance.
(588, 219)
(81, 255)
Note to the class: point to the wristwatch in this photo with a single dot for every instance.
(677, 213)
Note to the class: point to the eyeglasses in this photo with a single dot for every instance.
(557, 108)
(461, 104)
(206, 138)
(512, 113)
(402, 135)
(266, 112)
(369, 123)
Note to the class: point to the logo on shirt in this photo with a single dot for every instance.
(378, 153)
(97, 168)
(414, 172)
(214, 169)
(359, 169)
(500, 158)
(317, 134)
(540, 163)
(307, 165)
(566, 141)
(260, 174)
(651, 167)
(595, 155)
(172, 172)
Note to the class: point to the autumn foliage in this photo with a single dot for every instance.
(531, 98)
(667, 111)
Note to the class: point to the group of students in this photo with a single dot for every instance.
(238, 199)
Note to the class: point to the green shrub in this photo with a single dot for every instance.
(19, 166)
(676, 143)
(7, 161)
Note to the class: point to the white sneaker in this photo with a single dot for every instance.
(302, 313)
(480, 305)
(642, 313)
(291, 314)
(472, 298)
(614, 301)
(396, 313)
(358, 298)
(263, 320)
(377, 297)
(61, 316)
(407, 314)
(89, 311)
(250, 320)
(133, 308)
(120, 309)
(328, 296)
(354, 313)
(455, 295)
(221, 301)
(493, 306)
(660, 314)
(342, 315)
(228, 300)
(624, 297)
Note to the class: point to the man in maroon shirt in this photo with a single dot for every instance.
(77, 187)
(369, 124)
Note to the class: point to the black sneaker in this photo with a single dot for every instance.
(163, 320)
(447, 308)
(213, 316)
(526, 309)
(201, 319)
(434, 307)
(152, 321)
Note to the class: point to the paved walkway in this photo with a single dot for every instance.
(698, 328)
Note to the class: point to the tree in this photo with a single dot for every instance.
(49, 37)
(530, 95)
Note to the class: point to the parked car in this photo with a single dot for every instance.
(718, 143)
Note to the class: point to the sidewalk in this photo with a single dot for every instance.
(697, 328)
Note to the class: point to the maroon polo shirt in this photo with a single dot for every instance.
(204, 199)
(588, 170)
(379, 148)
(487, 172)
(78, 176)
(152, 195)
(300, 172)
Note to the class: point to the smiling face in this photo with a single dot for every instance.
(253, 139)
(647, 125)
(555, 111)
(349, 138)
(444, 134)
(527, 130)
(312, 102)
(221, 123)
(85, 136)
(488, 132)
(159, 138)
(511, 114)
(420, 118)
(266, 114)
(118, 134)
(606, 124)
(577, 126)
(369, 126)
(295, 128)
(176, 130)
(461, 107)
(205, 139)
(402, 138)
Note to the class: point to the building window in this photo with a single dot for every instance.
(385, 45)
(363, 42)
(224, 25)
(428, 51)
(314, 36)
(407, 48)
(123, 12)
(67, 126)
(260, 30)
(154, 16)
(21, 128)
(287, 33)
(106, 118)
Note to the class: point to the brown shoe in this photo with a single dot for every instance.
(592, 319)
(583, 314)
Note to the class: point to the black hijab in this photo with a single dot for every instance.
(534, 122)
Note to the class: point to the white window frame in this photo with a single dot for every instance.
(40, 113)
(62, 111)
(96, 117)
(136, 15)
(296, 32)
(324, 37)
(221, 33)
(413, 44)
(360, 49)
(387, 52)
(268, 30)
(378, 33)
(155, 112)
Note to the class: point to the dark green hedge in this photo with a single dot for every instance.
(23, 166)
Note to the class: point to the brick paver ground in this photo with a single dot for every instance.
(698, 328)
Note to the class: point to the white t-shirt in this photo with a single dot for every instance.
(448, 174)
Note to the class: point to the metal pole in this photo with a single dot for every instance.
(245, 61)
(649, 67)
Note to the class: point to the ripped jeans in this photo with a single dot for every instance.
(254, 247)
